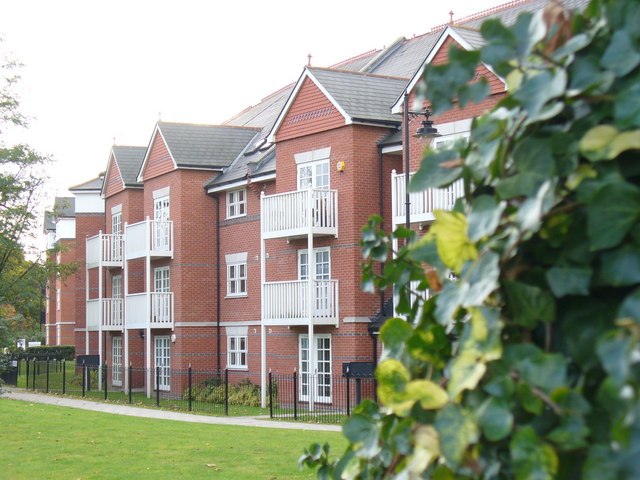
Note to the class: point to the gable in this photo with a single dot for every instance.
(310, 112)
(442, 55)
(158, 161)
(113, 183)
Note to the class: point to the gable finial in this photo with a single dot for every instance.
(159, 116)
(451, 17)
(309, 62)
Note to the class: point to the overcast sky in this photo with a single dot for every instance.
(96, 70)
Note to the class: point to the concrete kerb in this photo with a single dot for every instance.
(262, 422)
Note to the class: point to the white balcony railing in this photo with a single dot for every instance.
(161, 314)
(93, 314)
(149, 237)
(106, 249)
(422, 204)
(112, 313)
(287, 303)
(294, 213)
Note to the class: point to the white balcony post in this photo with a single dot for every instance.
(263, 338)
(86, 296)
(100, 314)
(125, 332)
(147, 317)
(311, 295)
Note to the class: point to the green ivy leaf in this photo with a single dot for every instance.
(621, 266)
(484, 217)
(545, 370)
(483, 279)
(614, 209)
(495, 419)
(454, 246)
(466, 371)
(528, 400)
(529, 304)
(430, 395)
(630, 306)
(601, 464)
(613, 351)
(392, 378)
(457, 430)
(532, 459)
(621, 56)
(395, 332)
(569, 280)
(432, 174)
(362, 432)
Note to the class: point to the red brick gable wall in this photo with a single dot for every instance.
(159, 160)
(310, 112)
(113, 182)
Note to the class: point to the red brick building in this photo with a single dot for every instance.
(237, 246)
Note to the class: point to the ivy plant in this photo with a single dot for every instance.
(516, 348)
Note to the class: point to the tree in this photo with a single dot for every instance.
(526, 365)
(23, 269)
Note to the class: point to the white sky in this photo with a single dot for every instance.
(96, 70)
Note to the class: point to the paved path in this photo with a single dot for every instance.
(248, 421)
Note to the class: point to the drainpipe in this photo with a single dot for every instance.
(218, 337)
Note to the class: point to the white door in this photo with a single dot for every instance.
(116, 361)
(323, 298)
(162, 360)
(116, 295)
(315, 379)
(161, 234)
(116, 239)
(161, 304)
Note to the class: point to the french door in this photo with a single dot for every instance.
(315, 380)
(161, 228)
(162, 360)
(116, 361)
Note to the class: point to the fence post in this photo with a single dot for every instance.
(64, 376)
(35, 367)
(190, 391)
(358, 390)
(26, 384)
(130, 382)
(295, 394)
(88, 375)
(104, 379)
(84, 378)
(157, 386)
(226, 391)
(348, 398)
(270, 395)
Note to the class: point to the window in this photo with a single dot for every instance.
(237, 352)
(162, 363)
(236, 274)
(161, 208)
(116, 361)
(116, 286)
(323, 264)
(315, 379)
(116, 223)
(314, 175)
(161, 235)
(236, 203)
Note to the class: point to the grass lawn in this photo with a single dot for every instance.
(47, 442)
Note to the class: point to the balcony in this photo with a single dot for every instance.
(423, 203)
(106, 312)
(161, 310)
(296, 214)
(287, 303)
(105, 250)
(153, 238)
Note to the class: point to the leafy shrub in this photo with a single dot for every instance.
(212, 390)
(526, 366)
(58, 352)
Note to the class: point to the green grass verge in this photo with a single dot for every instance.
(48, 442)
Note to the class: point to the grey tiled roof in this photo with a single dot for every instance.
(64, 207)
(93, 184)
(129, 160)
(362, 96)
(49, 221)
(205, 146)
(262, 116)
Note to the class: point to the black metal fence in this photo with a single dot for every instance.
(319, 398)
(316, 398)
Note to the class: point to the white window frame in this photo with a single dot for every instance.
(237, 352)
(237, 203)
(321, 382)
(116, 286)
(161, 208)
(316, 175)
(318, 275)
(116, 223)
(237, 275)
(116, 361)
(161, 280)
(162, 346)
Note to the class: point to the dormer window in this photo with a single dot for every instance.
(237, 203)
